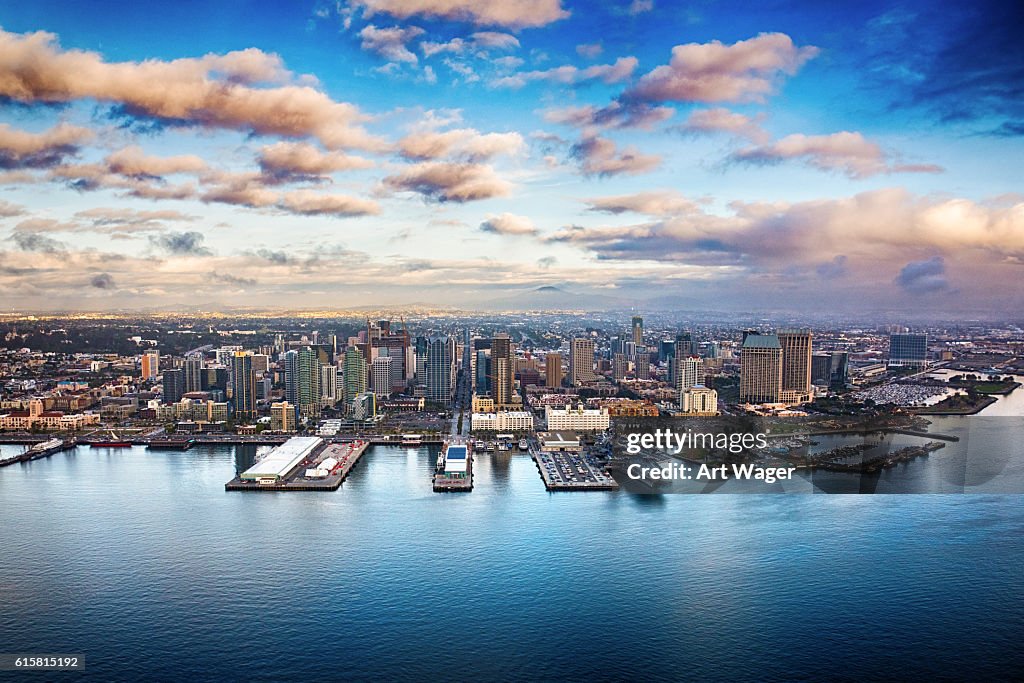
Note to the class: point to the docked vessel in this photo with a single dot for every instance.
(454, 468)
(523, 444)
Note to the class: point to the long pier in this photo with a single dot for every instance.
(347, 456)
(42, 449)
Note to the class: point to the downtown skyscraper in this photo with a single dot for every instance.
(440, 369)
(243, 387)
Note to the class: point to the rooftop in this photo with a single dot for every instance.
(761, 341)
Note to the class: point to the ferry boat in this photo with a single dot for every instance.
(412, 439)
(523, 444)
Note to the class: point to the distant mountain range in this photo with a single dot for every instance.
(549, 297)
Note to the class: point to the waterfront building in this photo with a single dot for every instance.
(282, 417)
(760, 369)
(908, 350)
(440, 369)
(502, 370)
(505, 421)
(796, 366)
(577, 419)
(243, 387)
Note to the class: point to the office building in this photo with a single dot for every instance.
(699, 400)
(760, 369)
(150, 365)
(502, 371)
(174, 385)
(440, 369)
(638, 330)
(908, 350)
(193, 369)
(620, 367)
(506, 421)
(380, 376)
(796, 366)
(581, 361)
(553, 370)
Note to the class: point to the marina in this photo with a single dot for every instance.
(301, 464)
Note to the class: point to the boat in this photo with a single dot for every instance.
(523, 444)
(412, 439)
(112, 442)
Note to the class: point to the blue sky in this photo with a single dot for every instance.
(817, 156)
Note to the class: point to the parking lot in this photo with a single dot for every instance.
(571, 471)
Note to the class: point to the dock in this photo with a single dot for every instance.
(454, 471)
(325, 467)
(171, 444)
(571, 472)
(42, 449)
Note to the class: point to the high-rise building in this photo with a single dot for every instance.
(502, 370)
(380, 375)
(329, 394)
(761, 369)
(420, 351)
(260, 364)
(290, 360)
(355, 374)
(821, 368)
(193, 368)
(908, 350)
(174, 385)
(150, 364)
(364, 406)
(309, 381)
(482, 370)
(840, 369)
(687, 371)
(638, 330)
(796, 364)
(282, 417)
(243, 387)
(553, 370)
(620, 367)
(440, 369)
(581, 360)
(685, 346)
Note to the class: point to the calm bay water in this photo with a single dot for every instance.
(141, 561)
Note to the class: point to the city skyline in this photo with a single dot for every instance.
(452, 153)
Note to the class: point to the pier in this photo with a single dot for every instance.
(571, 472)
(41, 449)
(322, 468)
(454, 471)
